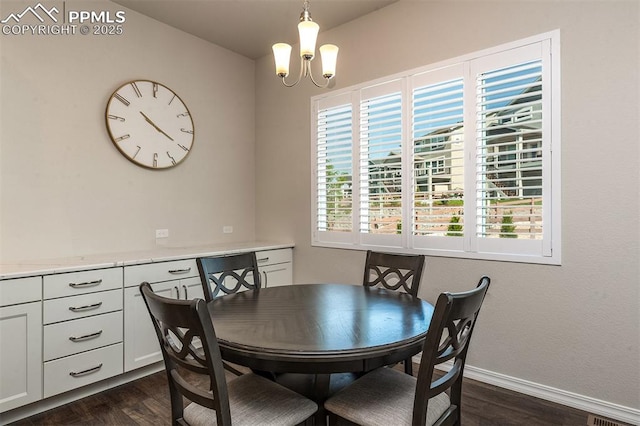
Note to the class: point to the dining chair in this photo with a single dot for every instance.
(192, 357)
(222, 275)
(228, 274)
(388, 397)
(394, 272)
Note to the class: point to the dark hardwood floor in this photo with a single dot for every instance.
(146, 402)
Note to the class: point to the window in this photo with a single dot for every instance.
(458, 159)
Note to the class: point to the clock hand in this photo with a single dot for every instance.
(154, 125)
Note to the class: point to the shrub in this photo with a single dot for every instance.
(455, 227)
(508, 229)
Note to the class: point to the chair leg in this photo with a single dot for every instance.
(408, 366)
(332, 419)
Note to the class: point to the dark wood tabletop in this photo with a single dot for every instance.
(319, 328)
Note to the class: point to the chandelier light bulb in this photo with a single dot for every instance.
(308, 31)
(282, 55)
(329, 56)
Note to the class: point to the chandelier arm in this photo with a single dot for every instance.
(302, 71)
(322, 86)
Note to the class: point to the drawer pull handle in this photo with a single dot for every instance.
(86, 284)
(85, 372)
(85, 308)
(179, 271)
(264, 259)
(85, 337)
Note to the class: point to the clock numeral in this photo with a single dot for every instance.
(115, 117)
(155, 90)
(155, 159)
(136, 89)
(184, 114)
(173, 161)
(187, 131)
(121, 138)
(122, 99)
(134, 155)
(172, 98)
(183, 147)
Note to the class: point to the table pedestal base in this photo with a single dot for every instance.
(318, 387)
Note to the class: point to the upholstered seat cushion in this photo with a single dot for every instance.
(383, 397)
(254, 400)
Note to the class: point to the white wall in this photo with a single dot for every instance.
(65, 190)
(574, 327)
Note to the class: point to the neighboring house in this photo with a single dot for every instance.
(513, 155)
(514, 147)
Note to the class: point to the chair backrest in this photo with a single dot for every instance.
(191, 352)
(228, 274)
(393, 271)
(448, 338)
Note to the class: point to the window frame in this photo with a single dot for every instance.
(470, 247)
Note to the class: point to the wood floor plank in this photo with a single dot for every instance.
(145, 402)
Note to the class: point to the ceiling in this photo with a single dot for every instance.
(250, 27)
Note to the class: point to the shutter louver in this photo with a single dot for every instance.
(509, 152)
(334, 169)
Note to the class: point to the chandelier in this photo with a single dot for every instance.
(308, 31)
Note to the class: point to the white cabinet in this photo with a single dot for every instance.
(61, 331)
(276, 267)
(82, 328)
(180, 280)
(174, 279)
(20, 342)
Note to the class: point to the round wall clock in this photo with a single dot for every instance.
(149, 124)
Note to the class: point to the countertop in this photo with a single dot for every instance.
(27, 268)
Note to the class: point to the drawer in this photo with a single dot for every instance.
(20, 290)
(269, 257)
(79, 370)
(81, 335)
(73, 283)
(68, 308)
(161, 271)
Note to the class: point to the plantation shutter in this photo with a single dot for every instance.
(453, 159)
(510, 152)
(380, 167)
(334, 169)
(438, 158)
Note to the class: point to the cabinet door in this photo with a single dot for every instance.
(191, 288)
(20, 355)
(276, 267)
(140, 341)
(276, 275)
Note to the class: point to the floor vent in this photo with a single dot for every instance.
(599, 421)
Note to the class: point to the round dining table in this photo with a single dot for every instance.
(319, 329)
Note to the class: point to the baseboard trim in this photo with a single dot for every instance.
(559, 396)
